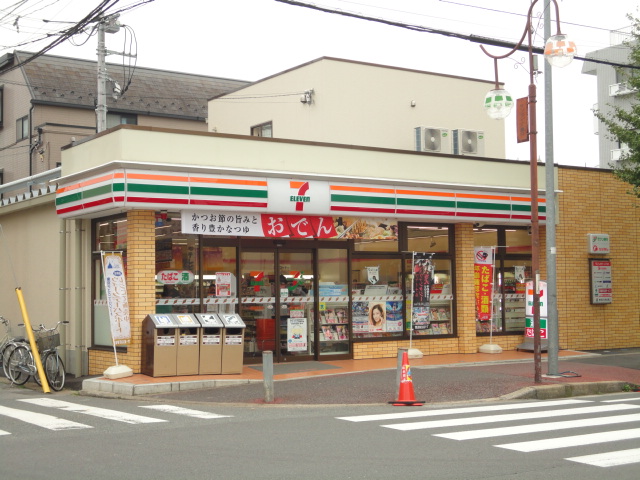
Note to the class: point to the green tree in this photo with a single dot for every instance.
(623, 124)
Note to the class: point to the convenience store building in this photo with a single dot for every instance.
(312, 236)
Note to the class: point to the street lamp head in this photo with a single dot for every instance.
(498, 104)
(559, 50)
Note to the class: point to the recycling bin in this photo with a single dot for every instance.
(232, 342)
(210, 343)
(159, 345)
(188, 354)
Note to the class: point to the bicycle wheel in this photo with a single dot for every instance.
(54, 369)
(19, 362)
(6, 353)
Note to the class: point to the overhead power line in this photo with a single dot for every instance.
(471, 38)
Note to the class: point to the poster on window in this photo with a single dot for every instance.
(423, 268)
(483, 282)
(297, 334)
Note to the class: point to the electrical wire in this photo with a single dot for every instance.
(460, 36)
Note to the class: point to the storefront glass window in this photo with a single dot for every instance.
(109, 235)
(377, 308)
(176, 267)
(440, 319)
(219, 277)
(428, 238)
(512, 268)
(334, 301)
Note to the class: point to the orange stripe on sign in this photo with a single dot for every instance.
(93, 181)
(527, 199)
(164, 178)
(229, 181)
(482, 197)
(293, 184)
(425, 194)
(362, 189)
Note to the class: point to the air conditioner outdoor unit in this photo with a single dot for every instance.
(433, 139)
(468, 142)
(619, 89)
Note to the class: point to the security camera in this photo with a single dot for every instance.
(478, 225)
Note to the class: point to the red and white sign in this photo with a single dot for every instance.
(175, 277)
(483, 280)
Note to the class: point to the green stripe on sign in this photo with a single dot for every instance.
(426, 203)
(74, 197)
(527, 208)
(166, 189)
(484, 206)
(364, 199)
(94, 192)
(228, 192)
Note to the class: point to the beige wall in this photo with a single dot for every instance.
(252, 154)
(359, 104)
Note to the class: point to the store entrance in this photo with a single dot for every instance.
(286, 302)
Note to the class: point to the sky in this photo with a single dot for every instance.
(253, 39)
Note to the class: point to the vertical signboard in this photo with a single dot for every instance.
(529, 331)
(483, 280)
(600, 275)
(117, 300)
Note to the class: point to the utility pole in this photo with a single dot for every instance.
(550, 194)
(106, 25)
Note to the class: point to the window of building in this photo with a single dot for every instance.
(436, 241)
(108, 235)
(115, 119)
(176, 252)
(262, 130)
(22, 128)
(512, 269)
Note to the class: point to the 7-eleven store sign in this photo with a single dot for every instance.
(528, 331)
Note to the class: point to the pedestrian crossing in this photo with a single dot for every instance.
(54, 407)
(616, 420)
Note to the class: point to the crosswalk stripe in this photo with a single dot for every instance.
(454, 411)
(509, 417)
(572, 441)
(539, 427)
(41, 420)
(627, 399)
(610, 459)
(2, 432)
(184, 411)
(93, 411)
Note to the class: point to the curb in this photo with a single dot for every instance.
(565, 390)
(97, 386)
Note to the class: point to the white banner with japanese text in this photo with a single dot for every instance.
(117, 300)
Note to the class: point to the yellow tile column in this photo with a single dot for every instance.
(141, 264)
(465, 293)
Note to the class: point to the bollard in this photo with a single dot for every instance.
(401, 351)
(267, 375)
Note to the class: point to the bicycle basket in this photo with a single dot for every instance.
(48, 340)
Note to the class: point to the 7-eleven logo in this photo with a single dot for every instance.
(301, 198)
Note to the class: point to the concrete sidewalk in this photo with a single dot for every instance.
(436, 378)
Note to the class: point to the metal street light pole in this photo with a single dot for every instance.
(498, 103)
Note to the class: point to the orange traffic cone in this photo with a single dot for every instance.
(405, 393)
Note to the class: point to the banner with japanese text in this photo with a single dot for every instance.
(483, 282)
(423, 269)
(117, 299)
(243, 224)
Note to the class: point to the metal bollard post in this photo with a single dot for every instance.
(267, 375)
(399, 369)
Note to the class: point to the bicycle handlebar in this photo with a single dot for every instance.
(42, 328)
